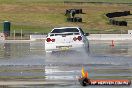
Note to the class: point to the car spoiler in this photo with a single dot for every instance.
(64, 33)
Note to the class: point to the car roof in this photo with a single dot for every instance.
(65, 27)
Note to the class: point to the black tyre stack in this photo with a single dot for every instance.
(119, 23)
(117, 14)
(77, 19)
(78, 11)
(73, 19)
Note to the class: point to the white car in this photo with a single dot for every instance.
(66, 39)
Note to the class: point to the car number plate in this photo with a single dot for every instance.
(64, 48)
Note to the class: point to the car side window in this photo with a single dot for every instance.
(81, 31)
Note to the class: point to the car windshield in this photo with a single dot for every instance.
(65, 30)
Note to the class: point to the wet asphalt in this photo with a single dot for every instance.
(28, 61)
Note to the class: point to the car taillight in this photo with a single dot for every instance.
(78, 38)
(49, 40)
(74, 38)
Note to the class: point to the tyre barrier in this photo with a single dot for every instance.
(84, 81)
(119, 23)
(2, 36)
(70, 20)
(117, 14)
(77, 11)
(70, 13)
(76, 19)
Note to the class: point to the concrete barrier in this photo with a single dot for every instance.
(110, 37)
(36, 37)
(94, 37)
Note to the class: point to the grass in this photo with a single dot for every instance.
(107, 1)
(53, 1)
(40, 16)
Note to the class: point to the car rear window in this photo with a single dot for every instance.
(65, 30)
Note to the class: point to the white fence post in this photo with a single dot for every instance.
(14, 34)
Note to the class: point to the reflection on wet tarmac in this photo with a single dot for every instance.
(14, 50)
(20, 61)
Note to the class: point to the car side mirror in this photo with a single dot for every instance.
(86, 34)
